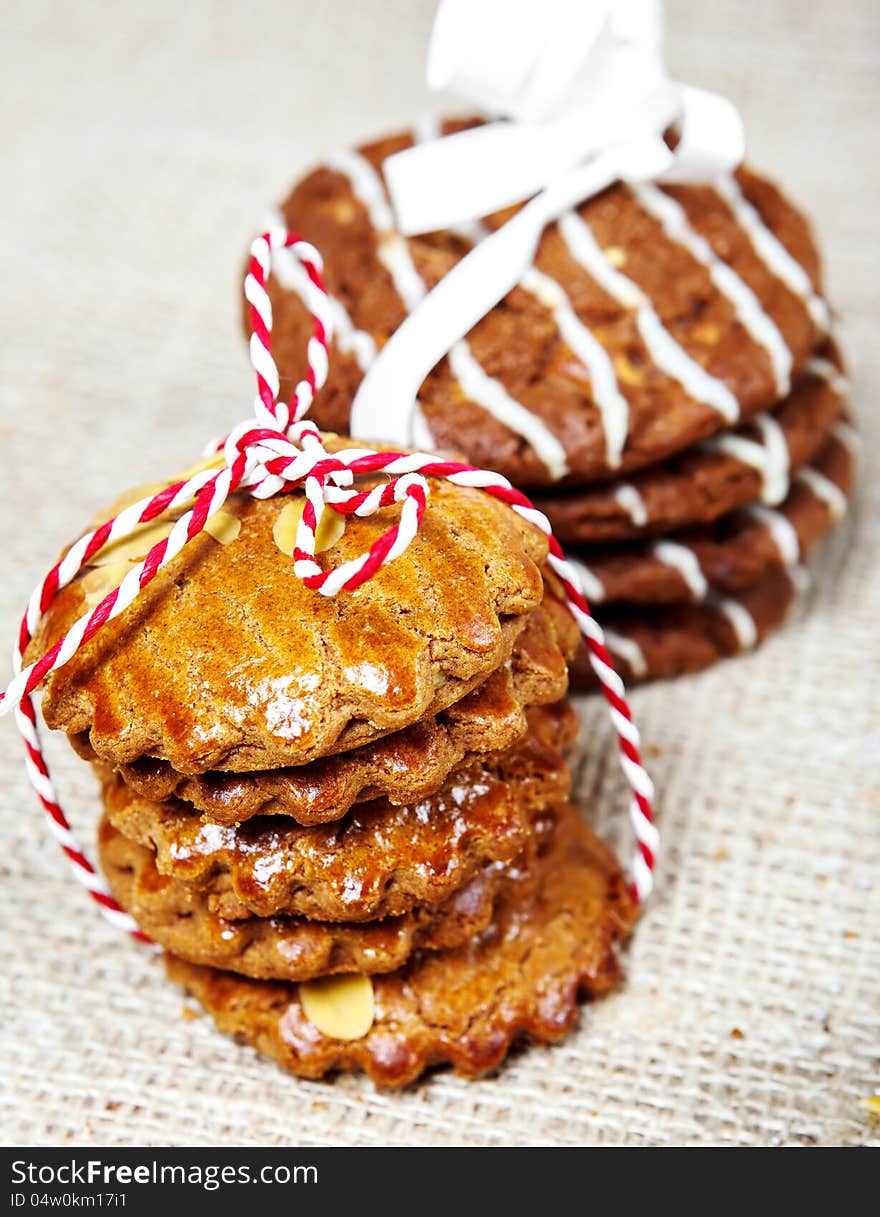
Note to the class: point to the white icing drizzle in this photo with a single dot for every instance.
(772, 252)
(610, 402)
(674, 221)
(781, 530)
(830, 373)
(668, 354)
(594, 589)
(394, 254)
(776, 469)
(612, 405)
(628, 497)
(491, 394)
(801, 579)
(770, 457)
(740, 618)
(290, 274)
(391, 247)
(825, 490)
(682, 559)
(628, 650)
(848, 436)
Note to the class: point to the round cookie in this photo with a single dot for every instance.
(285, 947)
(750, 463)
(380, 861)
(403, 767)
(735, 551)
(650, 643)
(226, 660)
(651, 318)
(549, 947)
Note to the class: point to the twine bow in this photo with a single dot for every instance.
(279, 451)
(582, 99)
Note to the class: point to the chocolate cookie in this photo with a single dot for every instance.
(753, 462)
(547, 947)
(226, 660)
(734, 552)
(380, 860)
(403, 767)
(651, 318)
(649, 643)
(293, 948)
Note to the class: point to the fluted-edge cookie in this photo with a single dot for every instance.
(522, 979)
(226, 660)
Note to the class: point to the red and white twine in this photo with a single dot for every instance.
(279, 450)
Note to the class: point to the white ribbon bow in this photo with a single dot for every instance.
(584, 100)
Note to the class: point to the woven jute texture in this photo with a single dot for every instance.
(141, 144)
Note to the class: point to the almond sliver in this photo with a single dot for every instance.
(223, 527)
(330, 529)
(135, 546)
(341, 1007)
(99, 580)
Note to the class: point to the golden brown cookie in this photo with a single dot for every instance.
(651, 643)
(521, 978)
(380, 860)
(178, 917)
(403, 767)
(709, 480)
(226, 660)
(622, 345)
(734, 552)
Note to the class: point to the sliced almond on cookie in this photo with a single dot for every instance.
(223, 527)
(134, 547)
(146, 491)
(99, 580)
(330, 529)
(341, 1007)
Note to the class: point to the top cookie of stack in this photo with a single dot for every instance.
(346, 818)
(662, 366)
(228, 661)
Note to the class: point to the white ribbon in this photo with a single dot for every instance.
(584, 100)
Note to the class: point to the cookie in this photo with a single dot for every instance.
(749, 463)
(733, 553)
(651, 319)
(380, 860)
(293, 948)
(403, 767)
(650, 643)
(226, 660)
(522, 978)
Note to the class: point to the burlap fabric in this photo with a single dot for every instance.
(141, 143)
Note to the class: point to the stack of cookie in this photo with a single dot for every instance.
(347, 819)
(661, 381)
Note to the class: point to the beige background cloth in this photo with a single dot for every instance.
(140, 147)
